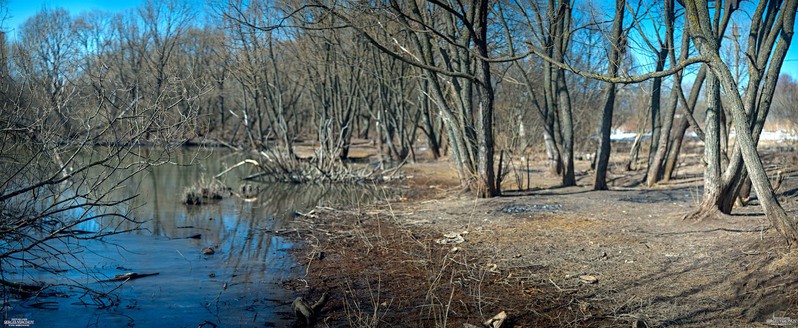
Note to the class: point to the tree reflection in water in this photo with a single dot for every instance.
(238, 285)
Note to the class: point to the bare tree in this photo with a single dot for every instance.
(779, 20)
(617, 47)
(164, 23)
(550, 29)
(658, 160)
(260, 63)
(47, 54)
(54, 180)
(396, 119)
(686, 121)
(456, 53)
(769, 39)
(556, 45)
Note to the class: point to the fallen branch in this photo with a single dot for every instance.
(129, 276)
(246, 161)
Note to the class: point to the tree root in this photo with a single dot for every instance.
(702, 214)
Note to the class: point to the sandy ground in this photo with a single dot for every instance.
(430, 256)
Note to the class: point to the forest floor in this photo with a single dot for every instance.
(551, 257)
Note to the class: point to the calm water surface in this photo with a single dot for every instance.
(240, 285)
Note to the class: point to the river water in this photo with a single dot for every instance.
(240, 285)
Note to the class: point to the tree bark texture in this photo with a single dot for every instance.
(605, 147)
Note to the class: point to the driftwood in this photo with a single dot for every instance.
(304, 311)
(129, 276)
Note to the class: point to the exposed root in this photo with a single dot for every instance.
(703, 213)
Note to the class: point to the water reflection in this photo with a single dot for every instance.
(239, 285)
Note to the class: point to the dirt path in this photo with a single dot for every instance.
(548, 257)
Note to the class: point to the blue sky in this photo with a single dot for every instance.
(791, 63)
(20, 10)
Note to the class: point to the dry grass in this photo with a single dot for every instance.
(652, 268)
(205, 191)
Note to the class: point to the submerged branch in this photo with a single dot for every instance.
(21, 288)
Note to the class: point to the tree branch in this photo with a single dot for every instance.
(626, 80)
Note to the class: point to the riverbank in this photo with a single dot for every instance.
(548, 256)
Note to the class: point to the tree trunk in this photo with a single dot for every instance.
(678, 137)
(3, 60)
(759, 179)
(675, 149)
(567, 128)
(429, 126)
(551, 134)
(735, 178)
(712, 177)
(634, 151)
(701, 31)
(562, 25)
(656, 114)
(552, 153)
(658, 161)
(486, 186)
(605, 145)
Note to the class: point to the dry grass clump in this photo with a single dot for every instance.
(205, 192)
